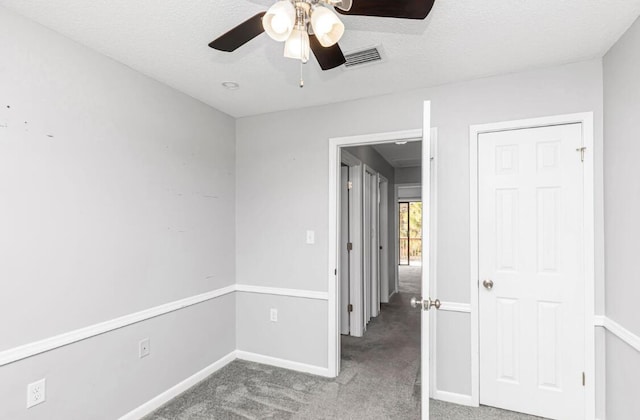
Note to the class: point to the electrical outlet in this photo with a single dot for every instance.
(274, 315)
(36, 393)
(144, 348)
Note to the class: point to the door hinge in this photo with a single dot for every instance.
(584, 379)
(582, 150)
(349, 308)
(349, 246)
(349, 185)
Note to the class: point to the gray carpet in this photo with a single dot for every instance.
(409, 279)
(378, 380)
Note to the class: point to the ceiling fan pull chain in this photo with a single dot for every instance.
(301, 80)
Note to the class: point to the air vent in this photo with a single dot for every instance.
(362, 57)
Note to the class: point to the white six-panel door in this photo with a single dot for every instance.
(531, 271)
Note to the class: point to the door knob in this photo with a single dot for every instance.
(435, 303)
(488, 284)
(425, 304)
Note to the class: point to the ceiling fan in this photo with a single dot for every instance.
(311, 25)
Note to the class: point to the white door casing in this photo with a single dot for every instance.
(531, 247)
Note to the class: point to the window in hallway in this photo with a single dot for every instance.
(410, 232)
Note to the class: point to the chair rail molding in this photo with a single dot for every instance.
(25, 351)
(618, 330)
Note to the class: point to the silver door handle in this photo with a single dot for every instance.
(425, 304)
(488, 284)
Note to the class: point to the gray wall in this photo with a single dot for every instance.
(130, 204)
(411, 175)
(269, 148)
(622, 207)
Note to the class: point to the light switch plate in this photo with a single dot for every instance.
(311, 237)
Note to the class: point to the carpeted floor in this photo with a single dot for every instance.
(379, 379)
(409, 279)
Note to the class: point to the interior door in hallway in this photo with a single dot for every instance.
(531, 271)
(345, 250)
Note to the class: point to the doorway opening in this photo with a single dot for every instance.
(410, 233)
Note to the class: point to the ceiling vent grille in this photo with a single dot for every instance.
(362, 57)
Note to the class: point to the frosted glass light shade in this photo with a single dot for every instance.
(326, 26)
(297, 46)
(279, 20)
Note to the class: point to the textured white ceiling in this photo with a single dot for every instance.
(461, 39)
(401, 155)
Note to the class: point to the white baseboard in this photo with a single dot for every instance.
(174, 391)
(282, 363)
(455, 398)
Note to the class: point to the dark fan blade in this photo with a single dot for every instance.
(328, 57)
(239, 35)
(405, 9)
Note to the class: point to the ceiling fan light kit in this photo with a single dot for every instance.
(280, 20)
(297, 45)
(293, 21)
(326, 26)
(312, 25)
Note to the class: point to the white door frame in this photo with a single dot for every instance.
(335, 144)
(586, 119)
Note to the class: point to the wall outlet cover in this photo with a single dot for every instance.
(36, 392)
(274, 315)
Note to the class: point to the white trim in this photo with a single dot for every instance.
(159, 400)
(335, 145)
(47, 344)
(455, 307)
(32, 349)
(306, 294)
(586, 119)
(282, 363)
(453, 397)
(618, 330)
(367, 139)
